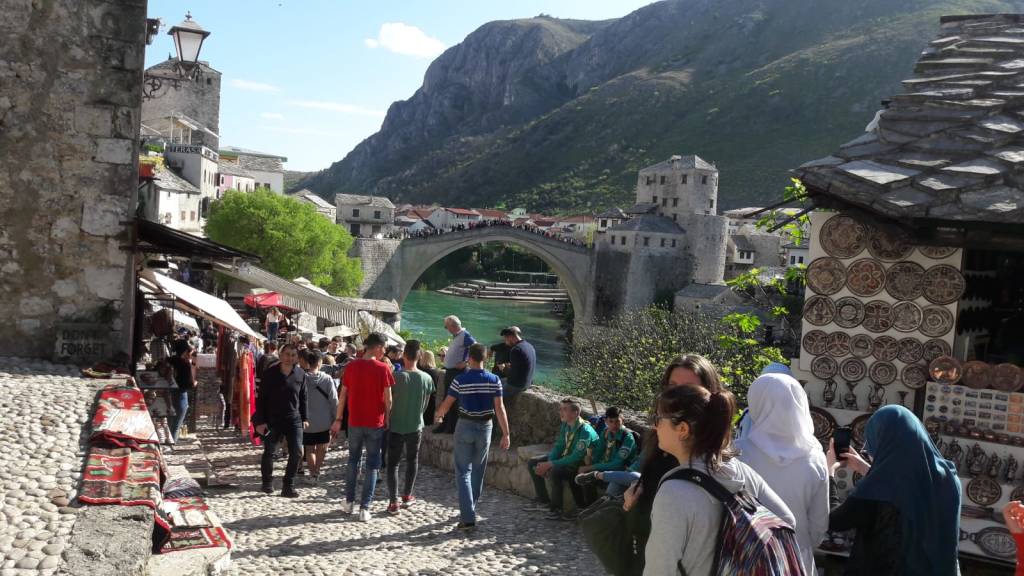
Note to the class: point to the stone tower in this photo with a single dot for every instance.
(199, 101)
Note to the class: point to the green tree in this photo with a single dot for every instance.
(290, 236)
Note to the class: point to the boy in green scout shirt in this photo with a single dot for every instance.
(574, 439)
(613, 450)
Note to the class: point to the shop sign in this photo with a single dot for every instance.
(192, 149)
(82, 341)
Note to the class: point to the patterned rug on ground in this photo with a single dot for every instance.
(195, 526)
(122, 418)
(122, 476)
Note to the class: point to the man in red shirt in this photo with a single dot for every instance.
(366, 390)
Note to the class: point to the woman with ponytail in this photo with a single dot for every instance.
(693, 426)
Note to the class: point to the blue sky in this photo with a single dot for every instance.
(311, 79)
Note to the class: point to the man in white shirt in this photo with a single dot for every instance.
(455, 362)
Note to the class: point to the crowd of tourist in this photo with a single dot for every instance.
(532, 228)
(668, 485)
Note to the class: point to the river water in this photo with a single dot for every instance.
(423, 314)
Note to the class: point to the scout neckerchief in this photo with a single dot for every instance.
(610, 447)
(569, 437)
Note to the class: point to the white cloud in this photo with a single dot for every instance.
(272, 115)
(406, 39)
(251, 86)
(338, 107)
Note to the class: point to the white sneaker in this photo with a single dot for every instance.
(364, 515)
(346, 507)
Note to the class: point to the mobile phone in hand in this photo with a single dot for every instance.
(841, 438)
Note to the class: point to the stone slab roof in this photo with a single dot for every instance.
(232, 169)
(703, 291)
(615, 212)
(168, 181)
(642, 208)
(648, 223)
(743, 243)
(358, 200)
(311, 197)
(689, 162)
(239, 151)
(950, 147)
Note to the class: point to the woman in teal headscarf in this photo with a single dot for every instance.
(906, 509)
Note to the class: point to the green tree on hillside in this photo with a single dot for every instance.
(290, 236)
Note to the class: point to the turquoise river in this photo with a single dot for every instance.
(423, 313)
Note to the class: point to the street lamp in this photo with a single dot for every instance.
(188, 41)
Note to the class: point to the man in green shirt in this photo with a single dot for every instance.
(575, 437)
(613, 450)
(410, 394)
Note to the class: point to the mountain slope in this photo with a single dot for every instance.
(558, 115)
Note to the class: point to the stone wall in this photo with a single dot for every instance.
(708, 239)
(381, 267)
(70, 93)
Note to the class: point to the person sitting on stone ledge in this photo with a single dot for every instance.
(614, 448)
(575, 437)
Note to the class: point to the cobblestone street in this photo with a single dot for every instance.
(44, 407)
(309, 535)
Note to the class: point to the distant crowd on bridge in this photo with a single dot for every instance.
(428, 232)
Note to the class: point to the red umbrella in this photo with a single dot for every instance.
(266, 300)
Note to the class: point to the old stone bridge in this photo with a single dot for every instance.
(391, 268)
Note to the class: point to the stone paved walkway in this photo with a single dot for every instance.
(42, 410)
(309, 535)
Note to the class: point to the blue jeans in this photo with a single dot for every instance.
(619, 480)
(180, 398)
(272, 328)
(472, 441)
(371, 439)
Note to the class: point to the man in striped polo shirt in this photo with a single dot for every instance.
(479, 395)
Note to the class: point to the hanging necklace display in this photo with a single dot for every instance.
(850, 398)
(994, 541)
(828, 393)
(876, 395)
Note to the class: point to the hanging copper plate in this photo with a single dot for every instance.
(934, 348)
(943, 284)
(910, 350)
(1007, 377)
(996, 540)
(819, 310)
(946, 370)
(1017, 494)
(883, 373)
(861, 345)
(824, 367)
(853, 369)
(826, 275)
(903, 280)
(936, 252)
(849, 312)
(838, 344)
(824, 424)
(885, 348)
(843, 237)
(816, 342)
(984, 491)
(877, 316)
(886, 246)
(858, 426)
(865, 277)
(936, 321)
(906, 316)
(977, 374)
(914, 376)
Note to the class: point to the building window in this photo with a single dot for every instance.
(376, 229)
(664, 201)
(674, 217)
(673, 242)
(703, 179)
(662, 242)
(800, 260)
(182, 215)
(604, 223)
(647, 240)
(662, 179)
(623, 240)
(792, 260)
(192, 215)
(355, 229)
(655, 199)
(675, 202)
(355, 212)
(684, 179)
(376, 214)
(650, 180)
(711, 203)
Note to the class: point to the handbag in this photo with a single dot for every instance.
(605, 528)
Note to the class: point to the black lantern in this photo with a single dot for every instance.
(188, 40)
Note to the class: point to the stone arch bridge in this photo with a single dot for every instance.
(391, 268)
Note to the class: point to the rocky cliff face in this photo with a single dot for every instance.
(558, 114)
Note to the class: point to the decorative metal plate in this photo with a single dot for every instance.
(838, 344)
(1017, 494)
(996, 541)
(861, 345)
(1007, 377)
(934, 348)
(858, 425)
(885, 348)
(977, 374)
(849, 312)
(888, 247)
(906, 316)
(853, 369)
(943, 284)
(843, 237)
(819, 310)
(824, 424)
(883, 373)
(877, 316)
(903, 280)
(824, 367)
(914, 376)
(936, 252)
(946, 370)
(984, 491)
(865, 277)
(815, 342)
(826, 275)
(936, 321)
(910, 350)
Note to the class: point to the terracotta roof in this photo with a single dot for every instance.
(950, 146)
(463, 211)
(492, 214)
(580, 219)
(417, 213)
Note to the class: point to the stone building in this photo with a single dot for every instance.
(678, 187)
(197, 164)
(193, 105)
(322, 206)
(365, 216)
(266, 168)
(752, 250)
(609, 218)
(231, 176)
(173, 201)
(70, 97)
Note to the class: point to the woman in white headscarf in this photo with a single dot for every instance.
(778, 442)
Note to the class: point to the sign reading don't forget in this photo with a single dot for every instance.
(82, 341)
